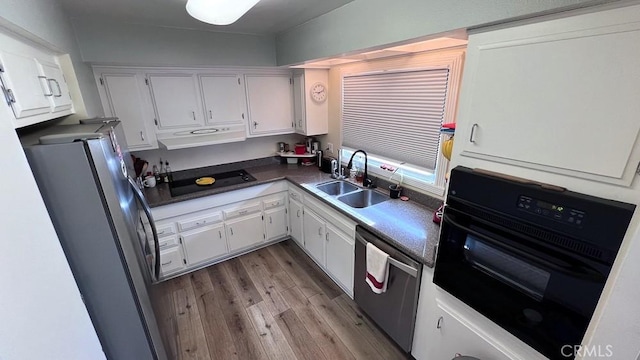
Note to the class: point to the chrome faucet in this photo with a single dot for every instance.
(366, 182)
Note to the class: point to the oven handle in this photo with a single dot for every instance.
(413, 272)
(566, 269)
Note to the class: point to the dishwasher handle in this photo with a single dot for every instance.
(413, 272)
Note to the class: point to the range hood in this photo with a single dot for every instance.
(202, 137)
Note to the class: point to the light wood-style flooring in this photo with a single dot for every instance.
(274, 303)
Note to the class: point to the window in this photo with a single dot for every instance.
(395, 116)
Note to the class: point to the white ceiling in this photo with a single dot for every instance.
(267, 17)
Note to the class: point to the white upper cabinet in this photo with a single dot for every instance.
(125, 95)
(223, 97)
(32, 82)
(559, 96)
(311, 116)
(26, 85)
(176, 101)
(59, 99)
(270, 104)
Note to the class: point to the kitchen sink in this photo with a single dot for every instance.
(363, 198)
(337, 187)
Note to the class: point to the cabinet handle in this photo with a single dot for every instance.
(439, 324)
(141, 136)
(48, 81)
(326, 236)
(242, 116)
(298, 213)
(255, 124)
(164, 245)
(231, 230)
(472, 138)
(193, 113)
(270, 220)
(59, 89)
(167, 263)
(210, 114)
(300, 123)
(220, 234)
(242, 212)
(320, 231)
(161, 232)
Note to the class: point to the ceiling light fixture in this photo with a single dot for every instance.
(219, 12)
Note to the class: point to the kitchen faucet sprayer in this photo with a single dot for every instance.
(366, 182)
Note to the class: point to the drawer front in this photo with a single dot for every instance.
(197, 222)
(165, 229)
(171, 260)
(242, 211)
(274, 201)
(166, 242)
(295, 194)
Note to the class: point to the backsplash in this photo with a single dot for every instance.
(198, 157)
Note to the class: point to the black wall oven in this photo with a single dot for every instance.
(531, 258)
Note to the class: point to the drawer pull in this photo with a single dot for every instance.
(167, 263)
(201, 223)
(270, 220)
(164, 245)
(161, 232)
(220, 234)
(231, 230)
(242, 212)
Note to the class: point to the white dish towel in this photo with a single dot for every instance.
(377, 269)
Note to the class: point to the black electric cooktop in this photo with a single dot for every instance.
(188, 186)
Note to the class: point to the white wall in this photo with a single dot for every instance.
(45, 20)
(43, 316)
(133, 44)
(254, 148)
(364, 24)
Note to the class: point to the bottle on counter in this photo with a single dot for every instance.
(167, 173)
(156, 173)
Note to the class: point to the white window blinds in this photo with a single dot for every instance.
(396, 115)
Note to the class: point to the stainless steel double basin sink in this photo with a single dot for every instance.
(352, 195)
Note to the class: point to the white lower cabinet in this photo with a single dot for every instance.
(340, 251)
(276, 223)
(314, 235)
(171, 261)
(296, 221)
(204, 244)
(245, 232)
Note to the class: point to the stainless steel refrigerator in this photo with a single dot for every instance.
(106, 230)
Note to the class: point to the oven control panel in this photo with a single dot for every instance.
(551, 211)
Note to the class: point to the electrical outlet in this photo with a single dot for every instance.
(330, 148)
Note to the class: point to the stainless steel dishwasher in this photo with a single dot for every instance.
(395, 310)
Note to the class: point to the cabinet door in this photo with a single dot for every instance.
(452, 336)
(123, 97)
(270, 104)
(57, 84)
(171, 261)
(299, 117)
(314, 235)
(245, 232)
(223, 97)
(295, 219)
(176, 101)
(276, 223)
(559, 96)
(27, 85)
(204, 244)
(340, 256)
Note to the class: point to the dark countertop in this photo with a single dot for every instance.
(406, 225)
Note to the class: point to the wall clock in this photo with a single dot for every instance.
(318, 92)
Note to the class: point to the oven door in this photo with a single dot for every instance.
(543, 296)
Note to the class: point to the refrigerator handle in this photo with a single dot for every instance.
(147, 210)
